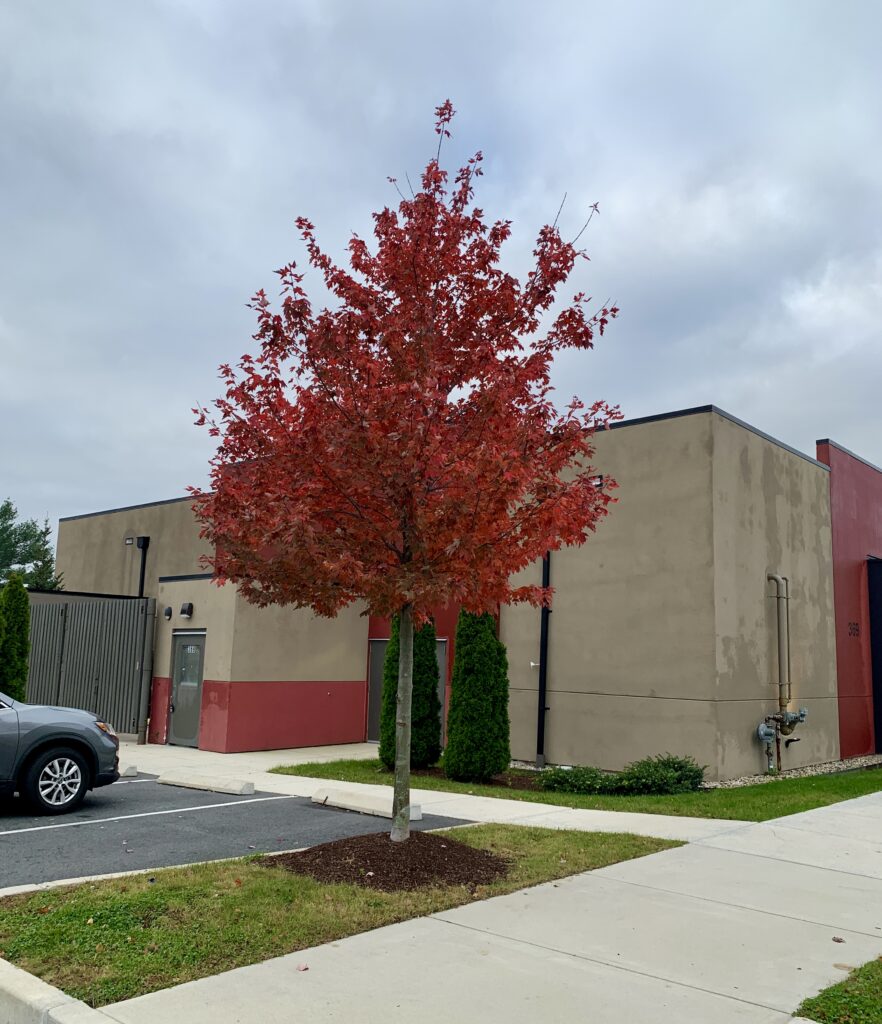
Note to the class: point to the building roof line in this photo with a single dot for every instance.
(126, 508)
(848, 451)
(636, 421)
(699, 409)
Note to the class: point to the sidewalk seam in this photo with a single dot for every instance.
(608, 963)
(738, 906)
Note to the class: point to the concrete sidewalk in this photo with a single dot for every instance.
(736, 928)
(253, 767)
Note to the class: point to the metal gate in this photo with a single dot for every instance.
(94, 653)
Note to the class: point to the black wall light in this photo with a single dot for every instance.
(187, 610)
(167, 613)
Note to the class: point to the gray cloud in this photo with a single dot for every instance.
(156, 154)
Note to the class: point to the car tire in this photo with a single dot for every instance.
(57, 781)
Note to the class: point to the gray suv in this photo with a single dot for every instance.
(52, 756)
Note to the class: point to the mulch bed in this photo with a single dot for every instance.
(375, 862)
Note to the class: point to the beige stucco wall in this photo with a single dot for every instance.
(631, 630)
(771, 515)
(294, 644)
(93, 556)
(662, 635)
(214, 610)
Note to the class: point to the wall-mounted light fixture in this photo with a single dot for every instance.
(167, 613)
(130, 541)
(187, 610)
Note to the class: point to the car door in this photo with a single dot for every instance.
(8, 740)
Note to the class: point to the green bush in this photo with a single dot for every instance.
(662, 774)
(425, 709)
(477, 720)
(651, 776)
(15, 643)
(582, 779)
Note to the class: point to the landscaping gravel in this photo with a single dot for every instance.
(827, 768)
(849, 764)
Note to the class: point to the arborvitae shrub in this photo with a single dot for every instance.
(15, 643)
(477, 720)
(425, 729)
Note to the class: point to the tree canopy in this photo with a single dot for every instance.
(401, 447)
(26, 549)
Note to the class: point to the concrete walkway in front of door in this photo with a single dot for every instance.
(254, 767)
(737, 928)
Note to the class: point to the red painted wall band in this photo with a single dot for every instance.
(855, 504)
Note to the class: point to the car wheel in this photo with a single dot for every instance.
(56, 781)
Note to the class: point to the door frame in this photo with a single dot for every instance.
(201, 633)
(442, 685)
(874, 613)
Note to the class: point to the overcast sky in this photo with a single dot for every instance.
(155, 154)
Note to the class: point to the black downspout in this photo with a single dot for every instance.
(143, 544)
(543, 665)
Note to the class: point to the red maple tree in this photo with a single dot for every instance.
(401, 447)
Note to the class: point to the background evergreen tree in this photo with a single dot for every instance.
(477, 721)
(425, 734)
(41, 575)
(15, 644)
(26, 548)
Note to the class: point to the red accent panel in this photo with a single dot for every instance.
(214, 717)
(856, 733)
(856, 515)
(160, 697)
(272, 715)
(445, 629)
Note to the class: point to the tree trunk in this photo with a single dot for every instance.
(401, 793)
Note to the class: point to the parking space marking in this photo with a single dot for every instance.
(146, 814)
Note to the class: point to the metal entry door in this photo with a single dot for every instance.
(375, 684)
(188, 657)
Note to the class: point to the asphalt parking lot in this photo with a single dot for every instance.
(137, 824)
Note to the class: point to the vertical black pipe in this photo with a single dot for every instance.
(143, 544)
(543, 665)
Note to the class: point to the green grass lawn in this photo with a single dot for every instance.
(747, 803)
(857, 1000)
(107, 941)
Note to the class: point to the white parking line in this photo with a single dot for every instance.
(18, 890)
(145, 814)
(128, 782)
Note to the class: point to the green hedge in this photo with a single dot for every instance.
(660, 775)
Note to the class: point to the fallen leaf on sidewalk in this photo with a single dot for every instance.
(837, 938)
(303, 967)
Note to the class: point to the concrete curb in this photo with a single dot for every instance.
(189, 780)
(25, 999)
(365, 803)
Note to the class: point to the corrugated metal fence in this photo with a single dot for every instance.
(95, 654)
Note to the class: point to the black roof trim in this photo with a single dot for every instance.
(85, 593)
(848, 451)
(187, 576)
(698, 409)
(126, 508)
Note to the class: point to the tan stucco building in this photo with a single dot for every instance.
(662, 637)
